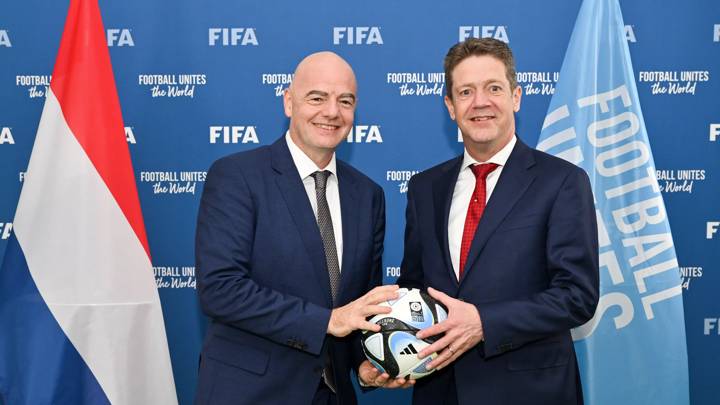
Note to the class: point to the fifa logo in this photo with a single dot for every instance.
(5, 39)
(6, 136)
(5, 229)
(232, 36)
(233, 134)
(119, 37)
(416, 312)
(484, 31)
(129, 135)
(711, 230)
(710, 324)
(714, 132)
(630, 34)
(357, 36)
(365, 134)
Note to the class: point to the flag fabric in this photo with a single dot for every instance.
(80, 316)
(633, 351)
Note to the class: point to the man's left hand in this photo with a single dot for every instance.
(463, 330)
(372, 377)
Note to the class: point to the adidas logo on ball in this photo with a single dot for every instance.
(409, 349)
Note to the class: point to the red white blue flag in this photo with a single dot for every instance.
(80, 316)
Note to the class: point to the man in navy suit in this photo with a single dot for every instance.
(288, 249)
(506, 237)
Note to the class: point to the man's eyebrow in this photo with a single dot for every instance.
(484, 83)
(325, 94)
(316, 93)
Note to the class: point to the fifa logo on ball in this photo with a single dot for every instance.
(416, 312)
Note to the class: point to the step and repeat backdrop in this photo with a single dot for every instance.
(200, 80)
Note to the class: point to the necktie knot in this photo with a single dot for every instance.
(321, 178)
(481, 171)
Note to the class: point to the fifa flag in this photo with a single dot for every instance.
(633, 351)
(80, 316)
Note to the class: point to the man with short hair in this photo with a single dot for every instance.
(288, 248)
(506, 237)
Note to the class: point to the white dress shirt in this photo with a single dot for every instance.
(306, 167)
(464, 188)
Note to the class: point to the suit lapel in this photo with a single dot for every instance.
(296, 199)
(349, 209)
(512, 184)
(443, 188)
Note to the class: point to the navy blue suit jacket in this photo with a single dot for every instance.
(532, 272)
(263, 281)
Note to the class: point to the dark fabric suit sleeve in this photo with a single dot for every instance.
(411, 271)
(223, 251)
(572, 265)
(376, 275)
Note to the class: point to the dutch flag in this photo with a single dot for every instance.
(80, 316)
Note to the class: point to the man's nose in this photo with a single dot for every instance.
(331, 109)
(480, 99)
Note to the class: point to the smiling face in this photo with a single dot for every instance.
(483, 105)
(320, 103)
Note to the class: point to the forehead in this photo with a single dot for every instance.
(478, 69)
(328, 78)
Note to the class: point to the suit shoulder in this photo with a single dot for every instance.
(555, 163)
(241, 160)
(428, 175)
(358, 176)
(560, 167)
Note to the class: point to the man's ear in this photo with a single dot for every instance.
(450, 107)
(287, 102)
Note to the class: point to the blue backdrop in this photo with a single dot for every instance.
(199, 80)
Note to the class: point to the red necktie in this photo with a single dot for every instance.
(475, 210)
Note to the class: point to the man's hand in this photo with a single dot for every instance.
(372, 377)
(463, 330)
(352, 316)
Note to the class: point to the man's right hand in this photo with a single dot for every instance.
(345, 319)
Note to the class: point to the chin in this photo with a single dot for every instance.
(481, 138)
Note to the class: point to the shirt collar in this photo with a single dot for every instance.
(499, 158)
(303, 163)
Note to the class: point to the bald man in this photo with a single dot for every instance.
(288, 250)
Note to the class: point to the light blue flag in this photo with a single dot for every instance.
(633, 351)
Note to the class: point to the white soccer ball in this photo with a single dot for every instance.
(394, 349)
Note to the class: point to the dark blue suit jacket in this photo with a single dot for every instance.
(532, 272)
(263, 281)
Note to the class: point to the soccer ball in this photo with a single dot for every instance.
(394, 349)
